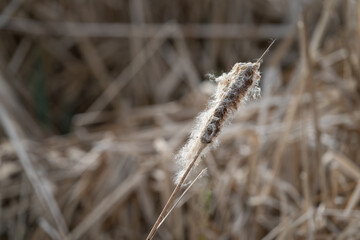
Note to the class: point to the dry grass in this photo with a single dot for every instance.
(123, 82)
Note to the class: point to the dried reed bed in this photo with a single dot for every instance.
(125, 83)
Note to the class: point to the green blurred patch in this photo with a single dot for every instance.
(39, 91)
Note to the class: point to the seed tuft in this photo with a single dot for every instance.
(234, 88)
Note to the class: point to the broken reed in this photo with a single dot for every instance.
(234, 88)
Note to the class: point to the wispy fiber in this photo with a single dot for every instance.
(234, 88)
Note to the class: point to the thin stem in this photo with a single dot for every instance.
(265, 52)
(183, 194)
(173, 194)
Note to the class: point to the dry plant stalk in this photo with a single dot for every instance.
(234, 88)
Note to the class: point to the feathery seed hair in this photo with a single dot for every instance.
(234, 88)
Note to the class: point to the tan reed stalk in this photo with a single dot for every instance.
(234, 88)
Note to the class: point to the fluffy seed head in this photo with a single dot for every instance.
(234, 88)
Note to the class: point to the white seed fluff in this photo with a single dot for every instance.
(234, 88)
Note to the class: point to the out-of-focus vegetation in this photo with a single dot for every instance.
(96, 97)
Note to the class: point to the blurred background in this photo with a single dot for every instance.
(96, 97)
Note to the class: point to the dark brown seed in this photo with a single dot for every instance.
(236, 91)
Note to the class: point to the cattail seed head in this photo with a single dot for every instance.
(234, 88)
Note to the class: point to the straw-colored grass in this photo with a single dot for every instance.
(97, 97)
